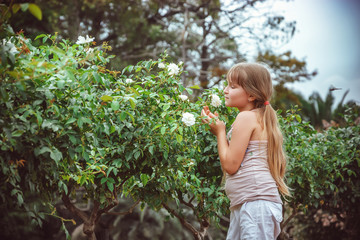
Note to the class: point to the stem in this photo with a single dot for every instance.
(293, 214)
(131, 209)
(183, 221)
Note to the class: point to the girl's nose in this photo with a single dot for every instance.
(226, 89)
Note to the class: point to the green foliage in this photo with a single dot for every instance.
(68, 122)
(323, 166)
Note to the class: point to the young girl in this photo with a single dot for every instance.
(253, 160)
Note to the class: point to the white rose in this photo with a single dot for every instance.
(82, 40)
(188, 119)
(183, 97)
(129, 81)
(215, 100)
(173, 69)
(161, 65)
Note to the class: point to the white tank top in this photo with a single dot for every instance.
(253, 180)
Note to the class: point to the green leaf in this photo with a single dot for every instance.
(132, 118)
(43, 150)
(179, 138)
(15, 8)
(115, 105)
(97, 77)
(166, 107)
(67, 234)
(59, 52)
(35, 11)
(144, 179)
(17, 133)
(71, 120)
(128, 68)
(195, 87)
(70, 74)
(60, 84)
(173, 128)
(39, 118)
(20, 199)
(137, 155)
(80, 122)
(157, 126)
(151, 149)
(123, 116)
(24, 6)
(103, 180)
(189, 91)
(163, 129)
(109, 171)
(106, 98)
(56, 155)
(82, 179)
(110, 186)
(38, 36)
(72, 139)
(132, 103)
(180, 130)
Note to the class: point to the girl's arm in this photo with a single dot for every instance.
(232, 154)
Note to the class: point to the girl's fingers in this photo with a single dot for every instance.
(212, 115)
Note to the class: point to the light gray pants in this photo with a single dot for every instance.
(256, 220)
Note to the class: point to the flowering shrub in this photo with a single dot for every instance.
(323, 172)
(68, 122)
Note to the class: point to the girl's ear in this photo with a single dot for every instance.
(251, 98)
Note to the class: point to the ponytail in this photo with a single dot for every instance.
(276, 155)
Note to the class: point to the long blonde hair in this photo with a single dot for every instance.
(255, 79)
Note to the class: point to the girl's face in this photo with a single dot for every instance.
(235, 96)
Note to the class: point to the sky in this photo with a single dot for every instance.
(328, 38)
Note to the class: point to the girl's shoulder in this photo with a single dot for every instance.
(248, 118)
(246, 115)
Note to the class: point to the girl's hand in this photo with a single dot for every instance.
(215, 127)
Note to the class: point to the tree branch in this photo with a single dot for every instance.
(293, 214)
(74, 209)
(131, 209)
(185, 223)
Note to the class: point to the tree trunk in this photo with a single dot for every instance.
(89, 230)
(89, 221)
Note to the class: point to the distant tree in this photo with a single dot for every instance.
(322, 113)
(205, 35)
